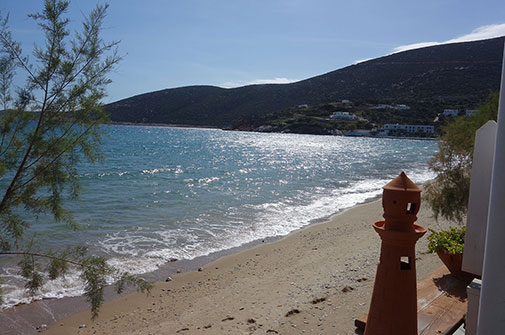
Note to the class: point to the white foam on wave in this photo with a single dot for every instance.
(261, 221)
(207, 180)
(106, 174)
(155, 171)
(69, 285)
(14, 294)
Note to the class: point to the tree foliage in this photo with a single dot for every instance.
(6, 76)
(448, 193)
(52, 125)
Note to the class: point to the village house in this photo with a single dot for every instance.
(383, 106)
(451, 112)
(395, 129)
(402, 107)
(343, 116)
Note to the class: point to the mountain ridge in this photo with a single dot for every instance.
(449, 75)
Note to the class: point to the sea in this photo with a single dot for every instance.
(166, 193)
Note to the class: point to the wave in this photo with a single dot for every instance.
(239, 226)
(14, 292)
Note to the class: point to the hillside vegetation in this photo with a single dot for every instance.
(459, 75)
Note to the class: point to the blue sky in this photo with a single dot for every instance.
(231, 43)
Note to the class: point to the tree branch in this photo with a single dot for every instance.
(34, 254)
(12, 51)
(65, 82)
(10, 142)
(57, 140)
(58, 156)
(103, 70)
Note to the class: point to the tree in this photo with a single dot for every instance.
(448, 193)
(52, 125)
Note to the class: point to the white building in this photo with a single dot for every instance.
(471, 112)
(345, 101)
(343, 116)
(402, 107)
(451, 112)
(391, 129)
(303, 106)
(383, 106)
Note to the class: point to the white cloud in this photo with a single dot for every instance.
(481, 33)
(362, 61)
(273, 81)
(231, 84)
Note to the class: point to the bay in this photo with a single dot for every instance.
(165, 193)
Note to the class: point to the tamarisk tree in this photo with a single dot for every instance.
(51, 125)
(448, 193)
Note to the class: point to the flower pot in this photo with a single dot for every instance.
(453, 263)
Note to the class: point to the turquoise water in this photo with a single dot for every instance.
(182, 193)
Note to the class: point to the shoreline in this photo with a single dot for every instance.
(170, 125)
(48, 311)
(324, 271)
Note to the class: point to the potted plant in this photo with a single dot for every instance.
(449, 246)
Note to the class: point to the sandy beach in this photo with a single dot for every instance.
(314, 281)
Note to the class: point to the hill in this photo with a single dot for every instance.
(458, 75)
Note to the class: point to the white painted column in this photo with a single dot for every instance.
(476, 219)
(491, 318)
(478, 201)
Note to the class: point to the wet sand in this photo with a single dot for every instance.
(314, 281)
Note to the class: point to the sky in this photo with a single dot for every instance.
(231, 43)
